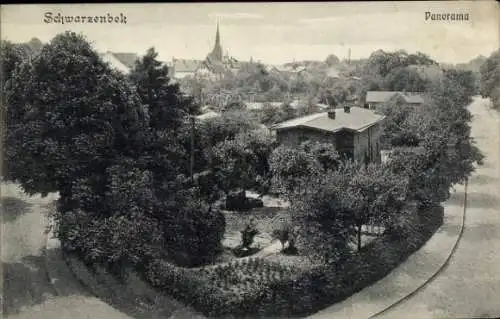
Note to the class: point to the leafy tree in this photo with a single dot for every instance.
(242, 163)
(332, 60)
(288, 112)
(323, 214)
(490, 77)
(379, 196)
(405, 79)
(166, 106)
(77, 116)
(226, 126)
(12, 57)
(324, 153)
(270, 114)
(291, 166)
(86, 135)
(465, 80)
(396, 131)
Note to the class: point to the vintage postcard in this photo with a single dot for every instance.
(250, 160)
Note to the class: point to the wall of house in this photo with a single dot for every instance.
(367, 144)
(359, 146)
(295, 136)
(345, 142)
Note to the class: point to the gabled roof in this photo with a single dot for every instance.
(214, 66)
(182, 65)
(358, 120)
(128, 59)
(384, 96)
(114, 62)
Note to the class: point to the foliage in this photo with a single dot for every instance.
(289, 167)
(490, 77)
(270, 114)
(108, 240)
(331, 60)
(435, 148)
(165, 105)
(397, 129)
(325, 154)
(193, 236)
(324, 215)
(247, 235)
(76, 116)
(242, 163)
(380, 196)
(83, 132)
(405, 79)
(255, 287)
(12, 57)
(285, 233)
(233, 289)
(225, 127)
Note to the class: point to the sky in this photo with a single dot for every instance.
(273, 33)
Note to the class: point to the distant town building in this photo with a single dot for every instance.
(215, 65)
(377, 98)
(354, 131)
(182, 68)
(123, 62)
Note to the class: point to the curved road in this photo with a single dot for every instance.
(469, 287)
(27, 292)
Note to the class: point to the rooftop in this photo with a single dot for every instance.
(384, 96)
(128, 59)
(183, 65)
(358, 119)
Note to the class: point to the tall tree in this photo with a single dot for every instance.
(77, 116)
(490, 77)
(166, 105)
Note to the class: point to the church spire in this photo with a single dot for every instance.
(216, 54)
(217, 35)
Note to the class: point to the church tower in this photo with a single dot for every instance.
(216, 54)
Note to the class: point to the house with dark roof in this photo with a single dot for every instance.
(354, 131)
(376, 98)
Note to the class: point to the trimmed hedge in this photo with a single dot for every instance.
(256, 287)
(239, 202)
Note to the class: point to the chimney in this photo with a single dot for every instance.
(331, 114)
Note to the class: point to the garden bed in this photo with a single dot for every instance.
(272, 288)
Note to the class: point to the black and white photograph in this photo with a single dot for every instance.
(322, 160)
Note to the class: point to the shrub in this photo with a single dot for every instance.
(284, 232)
(194, 237)
(239, 202)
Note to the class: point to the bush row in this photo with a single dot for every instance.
(226, 291)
